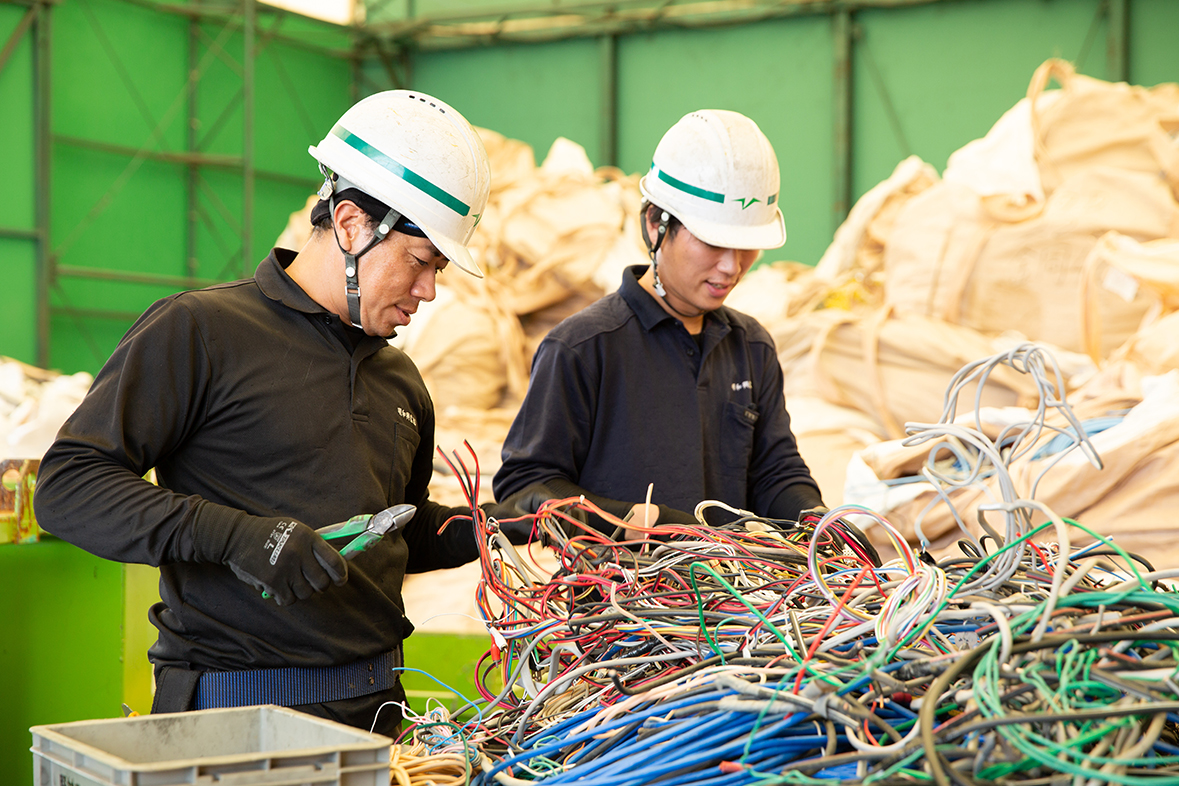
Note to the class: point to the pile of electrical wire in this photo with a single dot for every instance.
(765, 651)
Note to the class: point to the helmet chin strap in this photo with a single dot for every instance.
(352, 261)
(652, 249)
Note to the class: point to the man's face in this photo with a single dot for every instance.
(696, 276)
(396, 275)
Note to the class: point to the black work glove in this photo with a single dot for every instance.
(524, 502)
(812, 516)
(669, 515)
(282, 557)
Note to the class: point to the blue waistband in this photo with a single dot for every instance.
(295, 686)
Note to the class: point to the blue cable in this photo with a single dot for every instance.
(733, 746)
(615, 724)
(614, 762)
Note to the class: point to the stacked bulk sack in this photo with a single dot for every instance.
(1062, 226)
(1091, 158)
(1059, 226)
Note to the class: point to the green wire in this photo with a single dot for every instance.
(1038, 749)
(744, 601)
(461, 736)
(897, 767)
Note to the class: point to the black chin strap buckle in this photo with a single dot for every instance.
(352, 261)
(664, 220)
(352, 286)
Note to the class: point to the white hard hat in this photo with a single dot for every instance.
(420, 157)
(716, 172)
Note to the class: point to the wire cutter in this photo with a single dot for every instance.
(367, 529)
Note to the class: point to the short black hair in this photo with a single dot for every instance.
(654, 213)
(373, 208)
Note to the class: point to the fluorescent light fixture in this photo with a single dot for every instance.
(338, 11)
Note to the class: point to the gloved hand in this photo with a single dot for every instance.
(524, 502)
(811, 516)
(284, 558)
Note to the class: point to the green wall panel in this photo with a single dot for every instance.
(119, 74)
(220, 119)
(299, 96)
(121, 77)
(950, 70)
(778, 73)
(111, 211)
(18, 311)
(1153, 32)
(83, 343)
(533, 92)
(273, 205)
(18, 256)
(17, 129)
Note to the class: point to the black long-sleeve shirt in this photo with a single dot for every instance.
(622, 396)
(250, 397)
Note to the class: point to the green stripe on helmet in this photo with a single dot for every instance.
(408, 175)
(711, 196)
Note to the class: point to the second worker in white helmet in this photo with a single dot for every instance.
(659, 382)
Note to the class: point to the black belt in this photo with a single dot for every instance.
(295, 686)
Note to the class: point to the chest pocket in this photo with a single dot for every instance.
(736, 435)
(405, 447)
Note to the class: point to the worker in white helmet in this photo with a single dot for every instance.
(272, 407)
(659, 382)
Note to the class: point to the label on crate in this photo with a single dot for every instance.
(53, 774)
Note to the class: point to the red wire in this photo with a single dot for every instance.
(818, 640)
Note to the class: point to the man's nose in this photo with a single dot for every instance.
(727, 263)
(424, 287)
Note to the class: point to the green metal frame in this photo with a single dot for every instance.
(242, 17)
(609, 19)
(35, 22)
(391, 46)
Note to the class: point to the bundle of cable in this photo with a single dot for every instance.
(768, 651)
(704, 660)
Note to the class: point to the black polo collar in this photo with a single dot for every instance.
(274, 282)
(647, 308)
(272, 278)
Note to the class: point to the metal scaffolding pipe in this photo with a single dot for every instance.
(538, 23)
(248, 32)
(18, 33)
(42, 140)
(608, 52)
(128, 277)
(841, 28)
(95, 313)
(213, 160)
(1117, 51)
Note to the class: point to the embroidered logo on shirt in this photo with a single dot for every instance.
(408, 416)
(746, 385)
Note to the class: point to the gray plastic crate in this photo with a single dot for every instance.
(228, 747)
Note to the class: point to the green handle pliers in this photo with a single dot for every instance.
(367, 529)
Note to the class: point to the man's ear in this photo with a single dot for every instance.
(350, 222)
